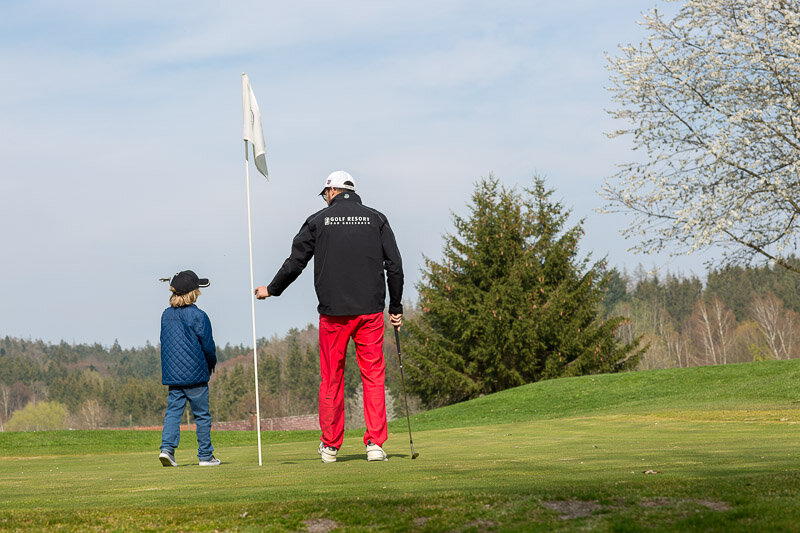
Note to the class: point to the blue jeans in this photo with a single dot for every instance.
(176, 403)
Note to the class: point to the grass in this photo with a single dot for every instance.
(563, 455)
(738, 388)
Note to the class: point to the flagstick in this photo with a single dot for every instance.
(252, 298)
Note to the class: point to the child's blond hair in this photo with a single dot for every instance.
(182, 300)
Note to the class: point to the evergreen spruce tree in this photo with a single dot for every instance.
(510, 302)
(269, 367)
(310, 378)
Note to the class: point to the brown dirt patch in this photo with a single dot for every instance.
(569, 509)
(320, 525)
(656, 502)
(666, 502)
(480, 525)
(714, 505)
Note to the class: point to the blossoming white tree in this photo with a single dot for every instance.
(712, 98)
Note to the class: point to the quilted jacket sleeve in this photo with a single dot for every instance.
(207, 341)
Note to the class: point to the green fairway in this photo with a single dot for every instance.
(702, 449)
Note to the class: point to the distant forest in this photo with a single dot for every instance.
(117, 387)
(737, 314)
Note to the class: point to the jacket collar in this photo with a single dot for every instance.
(346, 196)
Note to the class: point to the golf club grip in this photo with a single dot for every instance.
(397, 342)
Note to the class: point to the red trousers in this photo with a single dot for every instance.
(334, 334)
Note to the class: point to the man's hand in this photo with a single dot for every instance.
(262, 293)
(396, 320)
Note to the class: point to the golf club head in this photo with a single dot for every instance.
(415, 455)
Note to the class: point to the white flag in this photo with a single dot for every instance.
(251, 129)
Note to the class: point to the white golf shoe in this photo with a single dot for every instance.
(375, 452)
(328, 453)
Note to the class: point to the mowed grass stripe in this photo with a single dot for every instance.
(509, 454)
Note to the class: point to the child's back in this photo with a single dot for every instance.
(188, 357)
(188, 352)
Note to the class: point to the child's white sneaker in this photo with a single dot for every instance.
(328, 453)
(209, 462)
(167, 459)
(375, 452)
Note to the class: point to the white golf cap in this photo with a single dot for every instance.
(340, 180)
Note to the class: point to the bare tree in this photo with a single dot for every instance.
(724, 323)
(714, 325)
(626, 332)
(655, 356)
(5, 401)
(777, 325)
(92, 414)
(666, 346)
(702, 328)
(677, 348)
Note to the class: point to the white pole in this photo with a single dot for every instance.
(252, 298)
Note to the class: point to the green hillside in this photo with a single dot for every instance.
(768, 385)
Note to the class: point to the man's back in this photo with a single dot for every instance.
(352, 245)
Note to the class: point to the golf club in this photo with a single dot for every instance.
(414, 454)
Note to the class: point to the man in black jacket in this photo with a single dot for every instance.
(352, 245)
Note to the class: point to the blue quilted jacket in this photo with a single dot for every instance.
(188, 353)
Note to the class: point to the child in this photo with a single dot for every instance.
(188, 357)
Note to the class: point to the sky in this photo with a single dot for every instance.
(122, 161)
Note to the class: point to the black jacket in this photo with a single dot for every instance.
(352, 245)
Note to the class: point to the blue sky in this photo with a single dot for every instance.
(121, 158)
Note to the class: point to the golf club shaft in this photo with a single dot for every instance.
(403, 382)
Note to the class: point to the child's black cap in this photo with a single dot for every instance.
(187, 281)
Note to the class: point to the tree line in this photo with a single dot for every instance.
(58, 386)
(741, 313)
